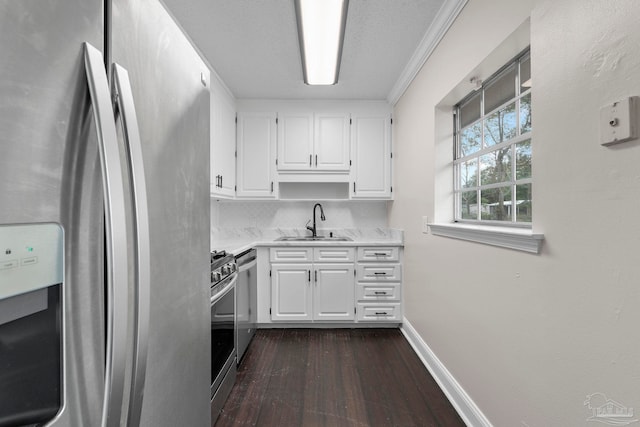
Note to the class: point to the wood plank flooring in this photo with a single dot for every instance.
(334, 377)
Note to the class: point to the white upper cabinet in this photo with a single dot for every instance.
(371, 154)
(256, 155)
(295, 141)
(223, 145)
(331, 142)
(309, 142)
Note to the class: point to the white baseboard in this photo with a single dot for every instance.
(467, 409)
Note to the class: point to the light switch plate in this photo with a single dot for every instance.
(618, 121)
(425, 225)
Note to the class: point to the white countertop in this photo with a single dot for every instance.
(237, 240)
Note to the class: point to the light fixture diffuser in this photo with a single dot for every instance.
(321, 26)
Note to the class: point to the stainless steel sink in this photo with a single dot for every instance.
(313, 239)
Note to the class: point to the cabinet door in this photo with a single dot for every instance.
(331, 142)
(371, 145)
(295, 141)
(223, 146)
(334, 292)
(291, 292)
(256, 155)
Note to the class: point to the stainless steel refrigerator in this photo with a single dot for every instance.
(115, 153)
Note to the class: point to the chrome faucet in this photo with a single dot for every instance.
(314, 229)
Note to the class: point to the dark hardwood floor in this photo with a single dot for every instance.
(334, 377)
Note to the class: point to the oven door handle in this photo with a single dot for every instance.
(248, 265)
(216, 297)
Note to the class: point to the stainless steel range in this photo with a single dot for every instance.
(224, 275)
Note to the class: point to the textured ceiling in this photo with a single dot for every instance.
(253, 45)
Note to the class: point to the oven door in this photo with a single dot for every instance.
(223, 330)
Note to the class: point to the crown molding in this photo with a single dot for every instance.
(436, 31)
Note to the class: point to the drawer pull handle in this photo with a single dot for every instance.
(380, 254)
(380, 273)
(381, 313)
(380, 293)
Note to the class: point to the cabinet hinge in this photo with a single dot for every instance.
(349, 162)
(276, 120)
(236, 119)
(276, 162)
(391, 120)
(354, 311)
(354, 273)
(236, 154)
(269, 310)
(392, 189)
(350, 121)
(269, 273)
(235, 188)
(392, 155)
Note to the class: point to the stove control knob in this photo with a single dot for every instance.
(226, 270)
(216, 276)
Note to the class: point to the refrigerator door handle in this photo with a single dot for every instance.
(124, 106)
(116, 237)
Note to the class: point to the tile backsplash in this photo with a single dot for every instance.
(295, 214)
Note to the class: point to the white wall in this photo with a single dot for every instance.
(529, 337)
(295, 214)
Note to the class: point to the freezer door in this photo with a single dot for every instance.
(170, 89)
(50, 171)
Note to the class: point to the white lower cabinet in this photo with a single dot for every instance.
(333, 293)
(291, 297)
(379, 312)
(379, 285)
(305, 289)
(333, 284)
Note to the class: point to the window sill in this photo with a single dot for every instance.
(505, 237)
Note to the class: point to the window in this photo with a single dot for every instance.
(492, 161)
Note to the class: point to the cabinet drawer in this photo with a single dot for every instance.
(291, 254)
(379, 312)
(338, 254)
(379, 272)
(378, 292)
(378, 254)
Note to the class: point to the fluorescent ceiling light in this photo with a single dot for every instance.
(321, 32)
